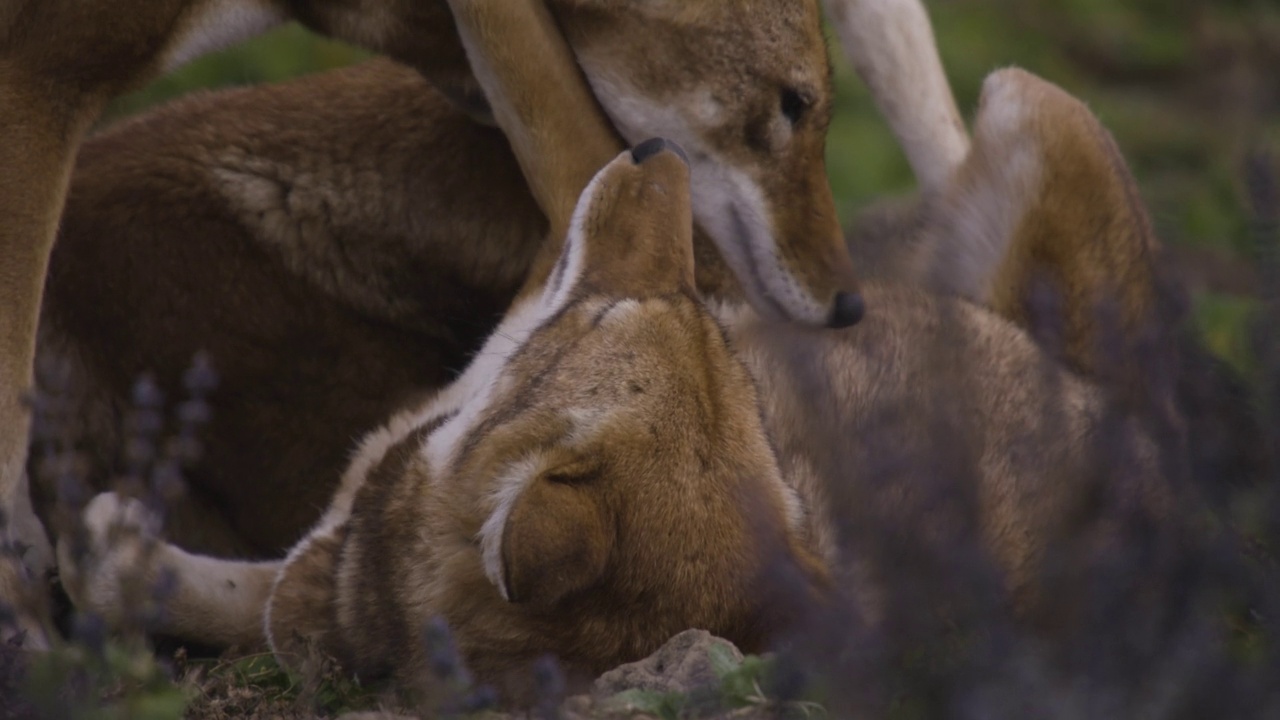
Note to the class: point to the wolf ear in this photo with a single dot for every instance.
(556, 542)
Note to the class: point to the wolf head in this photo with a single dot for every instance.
(618, 477)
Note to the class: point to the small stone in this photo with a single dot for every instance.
(682, 665)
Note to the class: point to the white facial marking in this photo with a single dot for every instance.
(733, 210)
(467, 399)
(727, 202)
(519, 475)
(470, 394)
(569, 268)
(218, 25)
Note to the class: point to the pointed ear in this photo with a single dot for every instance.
(557, 541)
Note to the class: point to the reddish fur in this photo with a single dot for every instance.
(1087, 233)
(399, 264)
(60, 62)
(651, 426)
(614, 548)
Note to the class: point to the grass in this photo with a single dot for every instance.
(1189, 88)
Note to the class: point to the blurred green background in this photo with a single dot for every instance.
(1188, 87)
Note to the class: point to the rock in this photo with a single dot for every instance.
(684, 664)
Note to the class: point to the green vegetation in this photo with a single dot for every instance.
(103, 680)
(742, 685)
(288, 52)
(1188, 88)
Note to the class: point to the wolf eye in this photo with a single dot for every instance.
(794, 105)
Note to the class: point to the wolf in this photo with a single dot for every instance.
(625, 458)
(754, 127)
(343, 241)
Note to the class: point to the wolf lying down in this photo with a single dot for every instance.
(622, 461)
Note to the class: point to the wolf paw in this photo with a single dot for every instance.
(26, 556)
(111, 570)
(1021, 109)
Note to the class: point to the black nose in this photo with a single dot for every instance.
(654, 146)
(847, 310)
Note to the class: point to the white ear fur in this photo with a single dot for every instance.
(555, 543)
(510, 486)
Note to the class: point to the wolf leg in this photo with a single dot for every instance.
(125, 569)
(1045, 202)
